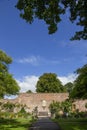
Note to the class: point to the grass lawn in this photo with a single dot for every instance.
(15, 124)
(72, 124)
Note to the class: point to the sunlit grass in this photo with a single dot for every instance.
(15, 124)
(72, 124)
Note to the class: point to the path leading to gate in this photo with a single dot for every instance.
(44, 124)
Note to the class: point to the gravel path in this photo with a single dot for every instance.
(44, 124)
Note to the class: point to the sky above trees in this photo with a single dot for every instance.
(34, 51)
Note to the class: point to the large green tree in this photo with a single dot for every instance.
(8, 85)
(49, 83)
(51, 12)
(80, 84)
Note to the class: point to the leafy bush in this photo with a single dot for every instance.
(64, 107)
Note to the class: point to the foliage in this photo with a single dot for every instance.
(15, 124)
(29, 91)
(72, 123)
(48, 83)
(80, 84)
(11, 110)
(8, 85)
(68, 87)
(55, 107)
(51, 12)
(65, 107)
(86, 105)
(8, 106)
(22, 110)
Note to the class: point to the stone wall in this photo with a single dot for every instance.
(38, 99)
(80, 105)
(43, 100)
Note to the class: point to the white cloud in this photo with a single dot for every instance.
(37, 60)
(30, 60)
(29, 82)
(68, 78)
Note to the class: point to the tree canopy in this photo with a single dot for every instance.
(51, 12)
(8, 85)
(49, 83)
(29, 91)
(68, 86)
(80, 84)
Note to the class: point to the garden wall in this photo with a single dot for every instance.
(43, 100)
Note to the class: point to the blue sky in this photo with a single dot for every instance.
(34, 51)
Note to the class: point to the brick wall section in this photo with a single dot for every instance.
(32, 100)
(36, 99)
(80, 105)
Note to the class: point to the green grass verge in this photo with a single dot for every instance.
(15, 124)
(72, 124)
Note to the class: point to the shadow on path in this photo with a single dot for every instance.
(44, 124)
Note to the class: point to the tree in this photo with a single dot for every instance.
(29, 91)
(80, 84)
(48, 83)
(68, 87)
(51, 12)
(65, 106)
(55, 107)
(8, 85)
